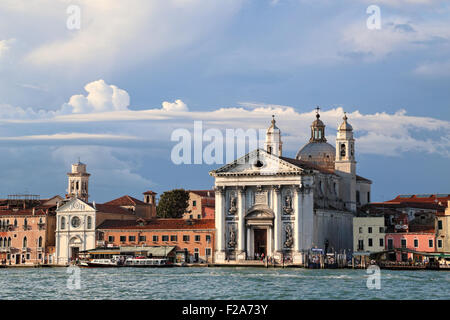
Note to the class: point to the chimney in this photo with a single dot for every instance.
(34, 211)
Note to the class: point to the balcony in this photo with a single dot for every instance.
(26, 227)
(24, 249)
(39, 249)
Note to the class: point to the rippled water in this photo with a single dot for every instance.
(221, 283)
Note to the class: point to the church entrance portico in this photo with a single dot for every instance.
(259, 224)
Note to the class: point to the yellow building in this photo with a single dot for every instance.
(368, 234)
(442, 230)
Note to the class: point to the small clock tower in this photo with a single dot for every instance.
(78, 182)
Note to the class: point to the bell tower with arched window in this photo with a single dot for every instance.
(273, 140)
(78, 182)
(345, 164)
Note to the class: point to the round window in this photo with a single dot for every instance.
(76, 222)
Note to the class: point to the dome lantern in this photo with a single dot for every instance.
(318, 129)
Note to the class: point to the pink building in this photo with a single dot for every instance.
(411, 244)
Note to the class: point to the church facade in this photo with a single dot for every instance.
(282, 207)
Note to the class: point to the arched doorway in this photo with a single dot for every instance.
(259, 225)
(75, 244)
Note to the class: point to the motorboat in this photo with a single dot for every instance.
(101, 263)
(147, 263)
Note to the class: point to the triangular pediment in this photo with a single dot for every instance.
(75, 205)
(257, 162)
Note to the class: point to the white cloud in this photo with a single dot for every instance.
(176, 106)
(397, 34)
(101, 98)
(125, 32)
(111, 167)
(107, 105)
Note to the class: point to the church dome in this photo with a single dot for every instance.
(318, 151)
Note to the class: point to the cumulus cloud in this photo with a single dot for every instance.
(101, 98)
(379, 133)
(178, 105)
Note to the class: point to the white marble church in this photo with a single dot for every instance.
(283, 207)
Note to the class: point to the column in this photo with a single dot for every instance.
(269, 241)
(220, 223)
(249, 244)
(308, 218)
(277, 228)
(298, 226)
(241, 224)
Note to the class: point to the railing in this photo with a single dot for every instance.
(39, 249)
(24, 249)
(26, 227)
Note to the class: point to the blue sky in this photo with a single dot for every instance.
(113, 91)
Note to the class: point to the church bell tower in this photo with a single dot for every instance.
(345, 163)
(273, 144)
(78, 182)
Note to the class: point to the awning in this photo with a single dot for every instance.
(154, 251)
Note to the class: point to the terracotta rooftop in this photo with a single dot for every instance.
(158, 224)
(203, 193)
(407, 204)
(107, 208)
(125, 201)
(24, 212)
(424, 198)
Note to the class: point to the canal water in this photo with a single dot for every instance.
(219, 283)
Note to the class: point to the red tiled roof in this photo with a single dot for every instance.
(106, 208)
(421, 205)
(203, 193)
(172, 224)
(423, 198)
(23, 212)
(125, 201)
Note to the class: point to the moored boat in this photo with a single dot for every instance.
(147, 263)
(101, 263)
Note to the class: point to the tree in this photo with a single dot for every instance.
(173, 204)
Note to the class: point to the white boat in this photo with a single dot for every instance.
(147, 262)
(102, 263)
